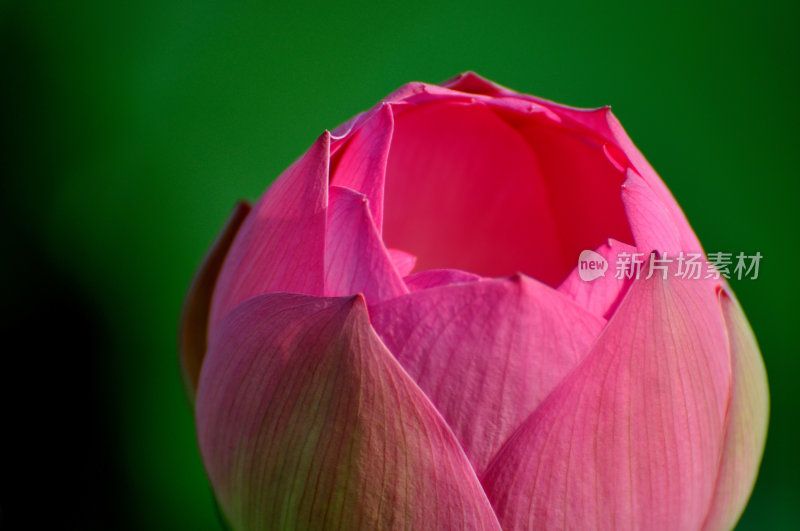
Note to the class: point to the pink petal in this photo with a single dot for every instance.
(194, 317)
(503, 97)
(362, 163)
(466, 181)
(601, 123)
(281, 244)
(652, 226)
(306, 421)
(355, 259)
(438, 277)
(632, 438)
(486, 353)
(404, 262)
(584, 184)
(463, 189)
(601, 295)
(472, 83)
(457, 145)
(606, 126)
(746, 429)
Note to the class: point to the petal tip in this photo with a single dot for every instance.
(358, 301)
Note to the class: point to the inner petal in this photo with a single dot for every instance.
(470, 190)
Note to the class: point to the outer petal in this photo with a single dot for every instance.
(356, 260)
(632, 439)
(486, 353)
(194, 318)
(281, 244)
(746, 429)
(306, 421)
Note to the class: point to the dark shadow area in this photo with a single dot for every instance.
(57, 466)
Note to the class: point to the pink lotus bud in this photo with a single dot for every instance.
(399, 334)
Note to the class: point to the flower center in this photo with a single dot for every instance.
(468, 189)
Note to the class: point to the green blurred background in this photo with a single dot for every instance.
(130, 129)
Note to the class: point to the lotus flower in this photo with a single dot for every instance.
(396, 336)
